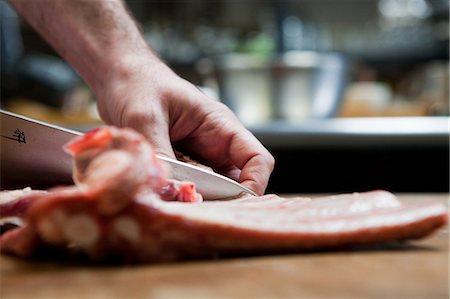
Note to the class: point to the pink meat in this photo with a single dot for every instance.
(120, 163)
(115, 165)
(125, 208)
(16, 202)
(152, 230)
(179, 191)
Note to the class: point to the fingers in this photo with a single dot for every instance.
(223, 141)
(255, 162)
(255, 174)
(205, 127)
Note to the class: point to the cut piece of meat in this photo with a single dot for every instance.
(21, 241)
(180, 191)
(16, 202)
(116, 164)
(129, 160)
(152, 230)
(295, 224)
(111, 165)
(124, 207)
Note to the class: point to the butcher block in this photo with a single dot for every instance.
(413, 270)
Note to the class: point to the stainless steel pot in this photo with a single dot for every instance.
(294, 86)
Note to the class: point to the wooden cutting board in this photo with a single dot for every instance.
(418, 270)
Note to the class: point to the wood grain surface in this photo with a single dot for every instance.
(417, 270)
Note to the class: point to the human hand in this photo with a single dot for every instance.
(135, 89)
(148, 97)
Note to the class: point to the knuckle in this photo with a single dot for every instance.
(271, 161)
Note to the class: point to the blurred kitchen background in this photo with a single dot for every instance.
(349, 95)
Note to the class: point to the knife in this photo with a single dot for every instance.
(31, 150)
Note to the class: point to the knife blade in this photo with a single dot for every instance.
(32, 149)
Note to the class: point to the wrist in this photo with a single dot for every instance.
(119, 67)
(136, 76)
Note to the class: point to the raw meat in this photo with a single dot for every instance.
(179, 191)
(16, 202)
(150, 230)
(116, 164)
(95, 218)
(112, 165)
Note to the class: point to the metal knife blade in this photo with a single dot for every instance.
(32, 149)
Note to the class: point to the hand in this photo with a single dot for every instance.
(135, 89)
(147, 96)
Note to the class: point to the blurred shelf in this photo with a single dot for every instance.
(355, 132)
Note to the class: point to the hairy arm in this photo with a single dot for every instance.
(135, 89)
(88, 31)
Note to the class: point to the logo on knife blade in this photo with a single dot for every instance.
(18, 136)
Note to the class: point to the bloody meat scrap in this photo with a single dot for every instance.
(124, 207)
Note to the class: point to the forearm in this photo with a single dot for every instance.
(97, 37)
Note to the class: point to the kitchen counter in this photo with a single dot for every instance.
(417, 270)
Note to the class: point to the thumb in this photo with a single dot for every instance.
(161, 144)
(158, 136)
